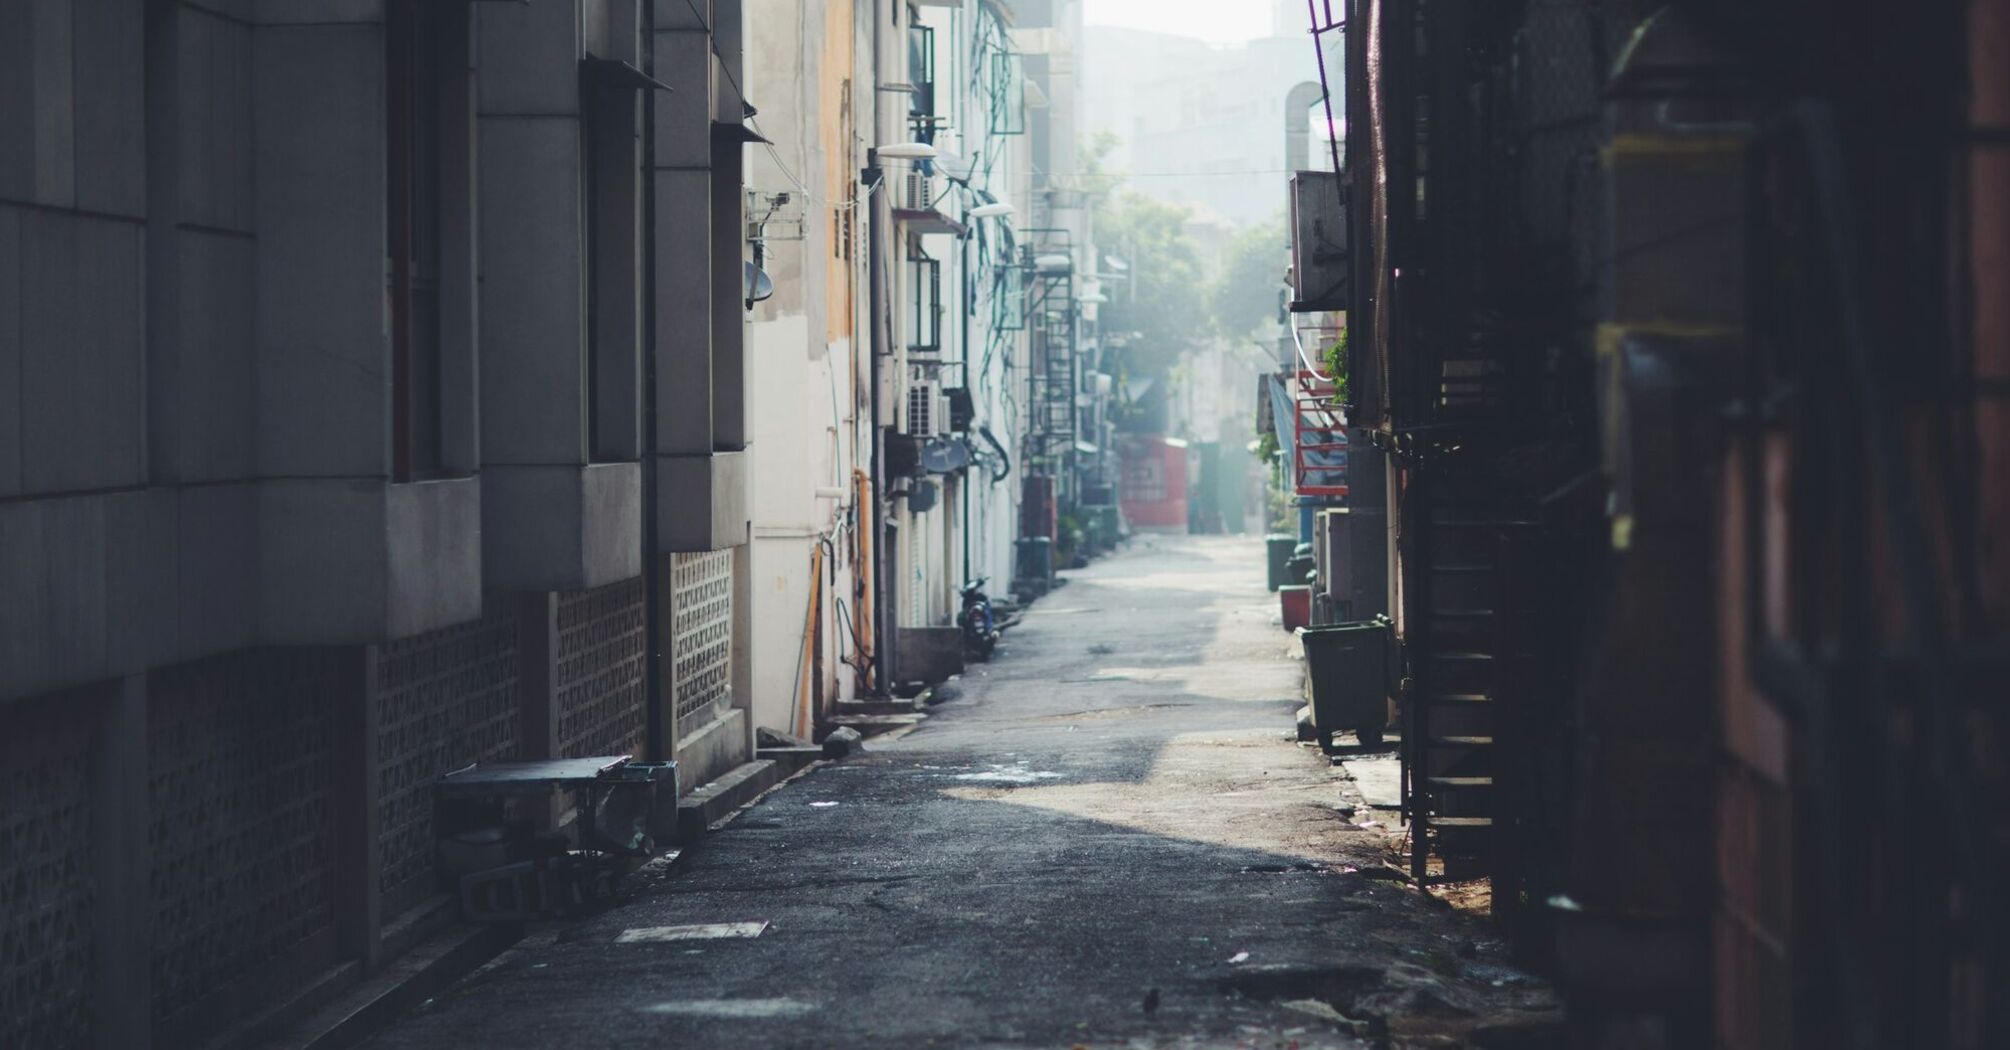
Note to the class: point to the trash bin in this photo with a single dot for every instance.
(1352, 668)
(1277, 549)
(1300, 566)
(1036, 558)
(1296, 601)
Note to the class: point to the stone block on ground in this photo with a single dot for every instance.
(843, 741)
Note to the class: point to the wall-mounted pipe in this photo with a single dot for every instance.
(1298, 103)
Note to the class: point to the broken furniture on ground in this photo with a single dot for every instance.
(527, 840)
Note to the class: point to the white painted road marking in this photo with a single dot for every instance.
(704, 932)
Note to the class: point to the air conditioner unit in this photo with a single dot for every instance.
(924, 415)
(917, 192)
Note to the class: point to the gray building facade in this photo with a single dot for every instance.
(371, 403)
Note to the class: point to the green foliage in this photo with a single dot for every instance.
(1161, 300)
(1068, 540)
(1095, 177)
(1245, 294)
(1335, 361)
(1280, 515)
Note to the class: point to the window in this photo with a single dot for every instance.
(1008, 96)
(610, 169)
(925, 335)
(921, 74)
(425, 65)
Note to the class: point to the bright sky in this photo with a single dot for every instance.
(1221, 21)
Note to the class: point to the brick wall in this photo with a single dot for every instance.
(444, 699)
(48, 893)
(598, 668)
(241, 765)
(701, 632)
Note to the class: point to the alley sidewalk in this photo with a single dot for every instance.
(1107, 837)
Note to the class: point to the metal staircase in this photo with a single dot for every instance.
(1319, 437)
(1451, 713)
(1054, 378)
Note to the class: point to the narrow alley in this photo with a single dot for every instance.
(1107, 836)
(1004, 523)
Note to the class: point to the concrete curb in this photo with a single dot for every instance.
(348, 1017)
(428, 969)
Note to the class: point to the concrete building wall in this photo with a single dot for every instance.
(791, 460)
(988, 144)
(807, 70)
(246, 628)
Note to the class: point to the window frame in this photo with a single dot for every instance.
(926, 299)
(428, 223)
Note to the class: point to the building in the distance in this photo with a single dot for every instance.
(1203, 124)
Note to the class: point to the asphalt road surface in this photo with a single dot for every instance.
(1106, 837)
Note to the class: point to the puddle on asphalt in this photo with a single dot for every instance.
(1006, 775)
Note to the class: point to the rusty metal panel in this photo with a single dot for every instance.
(1753, 930)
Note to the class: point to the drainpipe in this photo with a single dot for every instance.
(880, 344)
(882, 637)
(660, 747)
(1298, 124)
(969, 294)
(1988, 229)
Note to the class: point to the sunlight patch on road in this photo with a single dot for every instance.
(734, 1009)
(1182, 795)
(709, 931)
(1207, 587)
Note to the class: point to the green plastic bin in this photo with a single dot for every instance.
(1353, 671)
(1277, 548)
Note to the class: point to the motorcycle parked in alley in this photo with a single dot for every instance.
(977, 620)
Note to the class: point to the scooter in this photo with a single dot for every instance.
(980, 626)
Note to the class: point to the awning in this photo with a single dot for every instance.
(735, 133)
(614, 73)
(928, 220)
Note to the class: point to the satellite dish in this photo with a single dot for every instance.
(1053, 263)
(756, 284)
(921, 496)
(940, 455)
